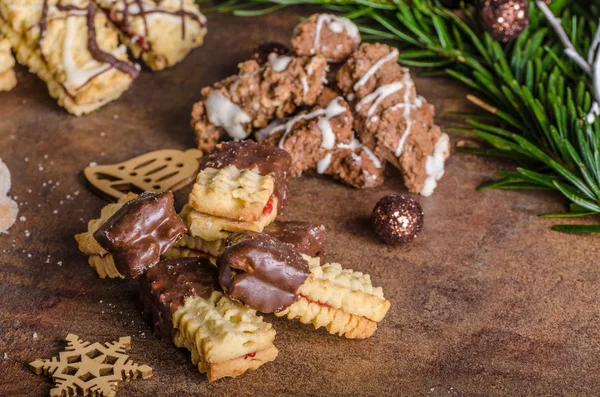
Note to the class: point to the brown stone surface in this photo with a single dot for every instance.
(487, 301)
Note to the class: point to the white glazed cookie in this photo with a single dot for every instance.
(225, 337)
(8, 79)
(99, 259)
(160, 32)
(240, 195)
(70, 46)
(342, 300)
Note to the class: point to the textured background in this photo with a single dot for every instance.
(486, 301)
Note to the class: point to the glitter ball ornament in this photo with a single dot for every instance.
(397, 219)
(504, 19)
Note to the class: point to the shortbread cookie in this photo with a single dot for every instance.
(211, 228)
(391, 119)
(208, 241)
(140, 232)
(99, 259)
(342, 300)
(70, 46)
(8, 78)
(161, 33)
(184, 302)
(270, 276)
(333, 37)
(323, 140)
(261, 272)
(242, 181)
(256, 96)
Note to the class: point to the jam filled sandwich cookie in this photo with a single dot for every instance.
(272, 277)
(72, 47)
(161, 33)
(131, 236)
(185, 304)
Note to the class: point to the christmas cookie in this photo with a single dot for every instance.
(242, 181)
(140, 232)
(307, 238)
(207, 240)
(185, 303)
(343, 301)
(8, 79)
(270, 276)
(391, 119)
(322, 139)
(100, 259)
(256, 96)
(328, 35)
(161, 33)
(72, 47)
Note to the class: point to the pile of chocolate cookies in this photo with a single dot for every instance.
(339, 108)
(206, 272)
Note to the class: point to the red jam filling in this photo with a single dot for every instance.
(316, 302)
(251, 355)
(269, 207)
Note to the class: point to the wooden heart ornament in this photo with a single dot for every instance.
(157, 171)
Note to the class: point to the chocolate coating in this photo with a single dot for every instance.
(164, 288)
(504, 19)
(246, 155)
(397, 219)
(261, 52)
(307, 238)
(140, 232)
(261, 272)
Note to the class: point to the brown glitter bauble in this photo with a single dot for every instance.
(397, 219)
(261, 52)
(504, 19)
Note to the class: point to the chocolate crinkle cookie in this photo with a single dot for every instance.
(366, 115)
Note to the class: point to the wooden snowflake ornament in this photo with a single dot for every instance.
(90, 369)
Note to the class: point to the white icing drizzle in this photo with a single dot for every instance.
(75, 75)
(435, 165)
(304, 86)
(270, 129)
(355, 144)
(376, 66)
(324, 163)
(224, 113)
(419, 100)
(279, 63)
(290, 124)
(328, 136)
(336, 25)
(378, 96)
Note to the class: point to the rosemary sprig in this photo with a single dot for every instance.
(539, 90)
